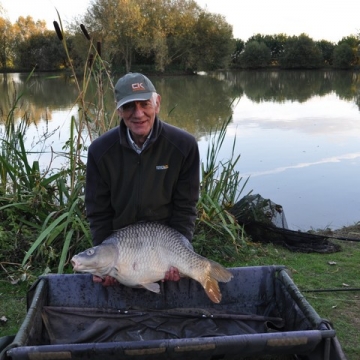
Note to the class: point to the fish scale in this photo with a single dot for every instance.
(140, 255)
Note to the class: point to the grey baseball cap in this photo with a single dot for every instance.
(133, 87)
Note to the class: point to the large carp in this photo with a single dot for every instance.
(140, 254)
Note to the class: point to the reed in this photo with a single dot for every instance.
(218, 234)
(65, 228)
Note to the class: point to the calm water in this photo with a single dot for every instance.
(298, 133)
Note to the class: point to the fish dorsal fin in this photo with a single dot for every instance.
(212, 290)
(154, 287)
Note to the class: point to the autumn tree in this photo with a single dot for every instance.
(169, 36)
(24, 27)
(6, 44)
(36, 46)
(160, 22)
(180, 32)
(119, 25)
(167, 31)
(214, 42)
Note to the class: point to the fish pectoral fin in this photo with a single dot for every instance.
(113, 272)
(154, 287)
(212, 290)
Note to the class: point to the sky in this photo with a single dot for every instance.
(320, 19)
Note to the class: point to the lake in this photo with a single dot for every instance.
(298, 132)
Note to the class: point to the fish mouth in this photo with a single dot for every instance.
(96, 269)
(75, 264)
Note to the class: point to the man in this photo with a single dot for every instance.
(141, 170)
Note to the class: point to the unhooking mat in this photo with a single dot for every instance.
(85, 325)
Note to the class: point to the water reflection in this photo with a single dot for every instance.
(280, 86)
(196, 103)
(297, 131)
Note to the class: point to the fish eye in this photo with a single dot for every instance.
(90, 252)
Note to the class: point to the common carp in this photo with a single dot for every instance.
(140, 254)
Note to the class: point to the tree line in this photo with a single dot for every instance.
(162, 35)
(296, 52)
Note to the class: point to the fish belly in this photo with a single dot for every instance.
(142, 266)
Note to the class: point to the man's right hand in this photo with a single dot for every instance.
(106, 281)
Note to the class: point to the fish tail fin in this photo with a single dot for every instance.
(212, 290)
(219, 273)
(211, 285)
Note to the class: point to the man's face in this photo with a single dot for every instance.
(139, 117)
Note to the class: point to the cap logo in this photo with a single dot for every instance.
(138, 87)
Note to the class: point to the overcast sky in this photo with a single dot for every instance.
(320, 19)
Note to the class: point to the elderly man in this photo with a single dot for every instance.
(142, 170)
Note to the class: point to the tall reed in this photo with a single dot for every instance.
(218, 233)
(67, 224)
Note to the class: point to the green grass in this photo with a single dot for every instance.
(12, 305)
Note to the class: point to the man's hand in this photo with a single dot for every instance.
(172, 274)
(106, 281)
